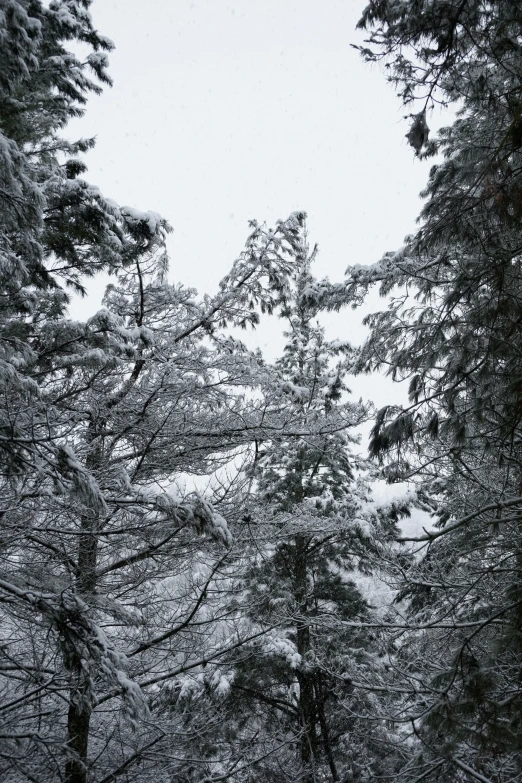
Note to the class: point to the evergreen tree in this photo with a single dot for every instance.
(298, 701)
(162, 396)
(453, 332)
(97, 422)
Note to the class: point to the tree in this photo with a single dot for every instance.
(54, 228)
(166, 398)
(297, 703)
(453, 331)
(98, 420)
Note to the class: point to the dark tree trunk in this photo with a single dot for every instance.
(78, 724)
(325, 734)
(308, 744)
(80, 698)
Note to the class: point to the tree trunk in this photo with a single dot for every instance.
(78, 723)
(308, 745)
(325, 734)
(80, 698)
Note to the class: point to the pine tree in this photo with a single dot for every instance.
(292, 710)
(453, 331)
(54, 229)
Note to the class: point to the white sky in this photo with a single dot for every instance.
(226, 111)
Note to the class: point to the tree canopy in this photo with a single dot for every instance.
(452, 331)
(191, 546)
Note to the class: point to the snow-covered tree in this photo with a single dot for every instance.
(161, 397)
(298, 700)
(453, 331)
(54, 229)
(105, 561)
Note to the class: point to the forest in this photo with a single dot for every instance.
(198, 580)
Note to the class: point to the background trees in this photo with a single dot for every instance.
(312, 494)
(290, 709)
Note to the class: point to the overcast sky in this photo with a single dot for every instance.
(226, 111)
